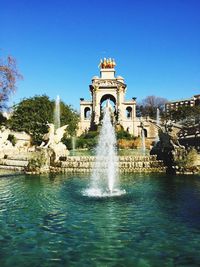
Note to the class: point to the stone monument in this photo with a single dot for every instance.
(52, 140)
(112, 87)
(168, 147)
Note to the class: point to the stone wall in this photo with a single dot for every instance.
(79, 164)
(127, 164)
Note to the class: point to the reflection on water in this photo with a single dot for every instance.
(46, 221)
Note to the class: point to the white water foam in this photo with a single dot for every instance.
(57, 113)
(104, 179)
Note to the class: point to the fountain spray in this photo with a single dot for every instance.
(104, 179)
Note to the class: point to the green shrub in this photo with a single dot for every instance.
(3, 120)
(81, 143)
(123, 135)
(87, 140)
(12, 139)
(188, 161)
(68, 142)
(32, 114)
(90, 134)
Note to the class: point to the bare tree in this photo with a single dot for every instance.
(149, 105)
(154, 101)
(8, 77)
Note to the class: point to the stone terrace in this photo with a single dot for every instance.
(127, 164)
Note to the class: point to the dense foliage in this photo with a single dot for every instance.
(32, 114)
(87, 140)
(90, 139)
(186, 113)
(3, 119)
(123, 135)
(70, 117)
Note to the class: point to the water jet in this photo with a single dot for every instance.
(57, 113)
(104, 178)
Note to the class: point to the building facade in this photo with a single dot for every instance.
(175, 105)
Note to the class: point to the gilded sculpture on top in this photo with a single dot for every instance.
(107, 63)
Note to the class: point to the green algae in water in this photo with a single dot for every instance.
(46, 221)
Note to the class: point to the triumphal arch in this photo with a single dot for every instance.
(112, 87)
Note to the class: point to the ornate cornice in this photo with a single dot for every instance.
(107, 83)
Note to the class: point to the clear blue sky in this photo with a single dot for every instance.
(58, 45)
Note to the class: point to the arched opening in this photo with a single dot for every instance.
(105, 98)
(112, 100)
(87, 113)
(145, 132)
(129, 112)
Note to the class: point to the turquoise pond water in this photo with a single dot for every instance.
(46, 221)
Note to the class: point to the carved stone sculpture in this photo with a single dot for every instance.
(4, 133)
(168, 147)
(53, 140)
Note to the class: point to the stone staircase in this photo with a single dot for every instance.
(16, 162)
(127, 164)
(84, 164)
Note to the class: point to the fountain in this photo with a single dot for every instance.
(158, 116)
(57, 113)
(157, 123)
(73, 145)
(104, 179)
(143, 148)
(51, 142)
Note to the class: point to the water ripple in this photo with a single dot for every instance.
(47, 219)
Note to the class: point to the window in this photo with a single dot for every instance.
(145, 132)
(87, 113)
(129, 112)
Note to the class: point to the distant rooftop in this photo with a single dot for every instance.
(184, 99)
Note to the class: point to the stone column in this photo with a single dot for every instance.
(134, 111)
(96, 105)
(120, 99)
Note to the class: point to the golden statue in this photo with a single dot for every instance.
(107, 63)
